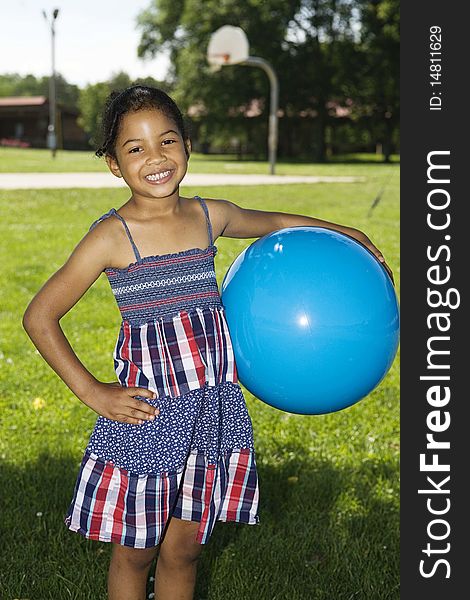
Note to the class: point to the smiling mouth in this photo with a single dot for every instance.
(159, 177)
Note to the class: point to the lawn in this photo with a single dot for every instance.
(30, 160)
(329, 504)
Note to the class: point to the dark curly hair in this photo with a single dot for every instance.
(133, 99)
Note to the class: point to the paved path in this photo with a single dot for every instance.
(16, 181)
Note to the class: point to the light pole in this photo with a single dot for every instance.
(51, 131)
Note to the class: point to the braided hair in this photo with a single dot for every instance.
(133, 99)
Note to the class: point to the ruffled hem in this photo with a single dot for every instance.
(114, 505)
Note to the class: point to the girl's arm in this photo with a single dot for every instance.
(236, 222)
(41, 321)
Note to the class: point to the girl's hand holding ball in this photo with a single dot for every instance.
(365, 241)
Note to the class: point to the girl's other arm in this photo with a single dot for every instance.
(41, 321)
(237, 222)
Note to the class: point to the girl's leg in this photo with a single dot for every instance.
(177, 561)
(128, 571)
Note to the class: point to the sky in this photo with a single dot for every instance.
(94, 39)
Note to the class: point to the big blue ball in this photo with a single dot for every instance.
(313, 318)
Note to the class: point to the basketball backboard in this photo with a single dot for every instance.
(227, 46)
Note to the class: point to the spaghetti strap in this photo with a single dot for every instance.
(206, 212)
(113, 212)
(134, 247)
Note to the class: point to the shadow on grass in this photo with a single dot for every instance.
(325, 532)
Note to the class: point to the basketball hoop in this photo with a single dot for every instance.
(227, 46)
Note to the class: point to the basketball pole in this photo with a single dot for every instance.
(229, 46)
(255, 61)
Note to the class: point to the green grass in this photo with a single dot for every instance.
(30, 160)
(329, 503)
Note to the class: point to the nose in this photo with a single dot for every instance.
(155, 156)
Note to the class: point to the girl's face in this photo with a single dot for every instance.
(150, 154)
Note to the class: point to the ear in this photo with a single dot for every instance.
(113, 165)
(187, 147)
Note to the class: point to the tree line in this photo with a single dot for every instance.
(337, 62)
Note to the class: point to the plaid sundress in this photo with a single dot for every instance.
(196, 460)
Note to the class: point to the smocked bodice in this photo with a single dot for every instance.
(161, 286)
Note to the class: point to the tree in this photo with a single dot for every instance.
(183, 28)
(380, 45)
(93, 97)
(12, 84)
(324, 55)
(90, 104)
(322, 42)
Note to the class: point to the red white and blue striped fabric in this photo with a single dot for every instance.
(113, 505)
(172, 356)
(225, 492)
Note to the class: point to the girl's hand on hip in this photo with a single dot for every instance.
(118, 403)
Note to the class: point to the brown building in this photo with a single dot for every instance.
(24, 121)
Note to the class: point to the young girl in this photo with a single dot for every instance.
(172, 449)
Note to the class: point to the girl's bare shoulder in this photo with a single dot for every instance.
(104, 238)
(107, 227)
(215, 206)
(219, 212)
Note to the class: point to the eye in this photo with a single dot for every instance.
(169, 141)
(135, 149)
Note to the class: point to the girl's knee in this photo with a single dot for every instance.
(135, 558)
(179, 548)
(180, 556)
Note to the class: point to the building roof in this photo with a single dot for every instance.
(23, 101)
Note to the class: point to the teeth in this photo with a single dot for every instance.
(157, 176)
